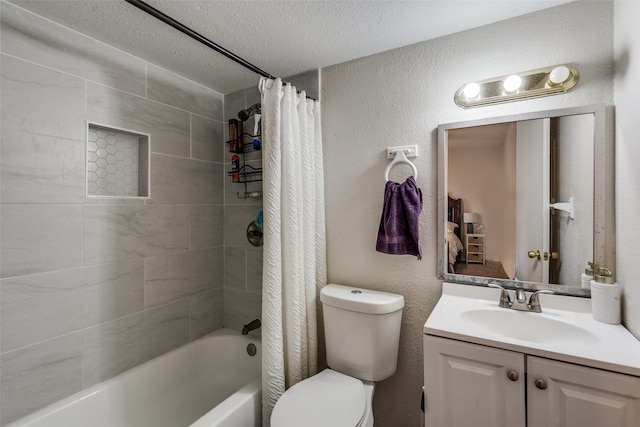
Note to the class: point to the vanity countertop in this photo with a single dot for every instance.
(605, 346)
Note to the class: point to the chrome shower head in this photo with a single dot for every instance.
(245, 114)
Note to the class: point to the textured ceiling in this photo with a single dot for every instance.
(283, 37)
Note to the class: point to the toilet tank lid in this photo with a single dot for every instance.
(361, 300)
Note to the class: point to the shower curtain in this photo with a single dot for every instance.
(294, 251)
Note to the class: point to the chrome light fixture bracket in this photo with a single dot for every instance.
(515, 87)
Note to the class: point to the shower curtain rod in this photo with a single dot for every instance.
(188, 31)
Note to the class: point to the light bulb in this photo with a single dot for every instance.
(471, 90)
(512, 83)
(559, 74)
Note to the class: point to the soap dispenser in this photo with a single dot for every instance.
(605, 297)
(587, 276)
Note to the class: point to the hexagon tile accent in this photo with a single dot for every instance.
(112, 163)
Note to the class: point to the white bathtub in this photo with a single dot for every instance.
(210, 382)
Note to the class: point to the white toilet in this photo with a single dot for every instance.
(362, 331)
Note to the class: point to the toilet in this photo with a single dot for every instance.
(362, 332)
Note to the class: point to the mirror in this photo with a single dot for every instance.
(527, 200)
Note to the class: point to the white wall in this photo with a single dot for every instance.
(627, 88)
(398, 98)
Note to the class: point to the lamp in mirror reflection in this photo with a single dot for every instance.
(529, 84)
(470, 218)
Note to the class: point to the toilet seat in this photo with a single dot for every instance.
(326, 399)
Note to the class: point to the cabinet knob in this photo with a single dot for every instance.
(513, 375)
(541, 384)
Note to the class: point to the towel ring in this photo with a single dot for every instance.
(400, 158)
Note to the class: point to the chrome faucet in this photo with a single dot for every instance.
(520, 302)
(254, 324)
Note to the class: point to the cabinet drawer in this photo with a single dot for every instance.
(476, 239)
(475, 248)
(474, 257)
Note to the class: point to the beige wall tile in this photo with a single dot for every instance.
(38, 238)
(168, 127)
(171, 277)
(35, 376)
(184, 181)
(39, 40)
(43, 306)
(114, 347)
(114, 232)
(172, 89)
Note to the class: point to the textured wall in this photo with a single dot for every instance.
(399, 97)
(627, 87)
(93, 287)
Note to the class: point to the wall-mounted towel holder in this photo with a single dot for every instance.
(401, 155)
(567, 207)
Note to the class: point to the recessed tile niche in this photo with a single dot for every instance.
(117, 162)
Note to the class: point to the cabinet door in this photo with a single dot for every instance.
(577, 396)
(468, 385)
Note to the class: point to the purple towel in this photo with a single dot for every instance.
(399, 226)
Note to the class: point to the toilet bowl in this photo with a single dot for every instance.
(362, 332)
(326, 399)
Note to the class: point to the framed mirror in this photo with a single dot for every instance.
(527, 200)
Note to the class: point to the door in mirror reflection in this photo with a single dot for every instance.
(509, 174)
(532, 190)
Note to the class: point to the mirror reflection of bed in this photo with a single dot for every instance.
(456, 249)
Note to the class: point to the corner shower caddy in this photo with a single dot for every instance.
(246, 173)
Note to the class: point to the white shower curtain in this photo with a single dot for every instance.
(294, 252)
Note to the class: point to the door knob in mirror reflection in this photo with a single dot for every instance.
(534, 254)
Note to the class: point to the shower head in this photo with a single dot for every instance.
(245, 114)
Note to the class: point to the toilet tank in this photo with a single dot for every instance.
(362, 331)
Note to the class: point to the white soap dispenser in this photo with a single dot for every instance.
(605, 297)
(587, 276)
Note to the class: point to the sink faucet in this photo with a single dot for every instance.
(254, 324)
(520, 303)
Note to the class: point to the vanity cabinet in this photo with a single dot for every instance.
(562, 394)
(468, 385)
(474, 385)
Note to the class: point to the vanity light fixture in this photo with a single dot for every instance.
(514, 87)
(471, 90)
(512, 83)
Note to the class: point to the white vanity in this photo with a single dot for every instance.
(487, 366)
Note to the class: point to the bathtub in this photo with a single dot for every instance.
(210, 382)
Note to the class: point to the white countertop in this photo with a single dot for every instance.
(614, 348)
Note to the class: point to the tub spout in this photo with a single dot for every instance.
(254, 324)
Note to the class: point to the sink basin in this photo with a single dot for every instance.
(532, 327)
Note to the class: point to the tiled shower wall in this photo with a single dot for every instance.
(92, 287)
(243, 262)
